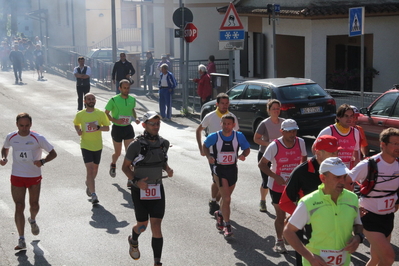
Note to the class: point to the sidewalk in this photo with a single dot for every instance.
(152, 103)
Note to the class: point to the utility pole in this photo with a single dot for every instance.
(114, 47)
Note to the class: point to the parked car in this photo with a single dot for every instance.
(381, 114)
(302, 100)
(104, 54)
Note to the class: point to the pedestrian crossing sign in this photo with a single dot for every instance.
(356, 21)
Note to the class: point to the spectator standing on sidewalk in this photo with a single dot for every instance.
(204, 89)
(149, 73)
(122, 69)
(82, 74)
(167, 84)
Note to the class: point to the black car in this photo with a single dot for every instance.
(105, 54)
(302, 100)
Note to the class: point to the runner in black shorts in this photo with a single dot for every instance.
(119, 133)
(120, 111)
(148, 193)
(225, 144)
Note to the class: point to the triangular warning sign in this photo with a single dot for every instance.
(355, 24)
(231, 20)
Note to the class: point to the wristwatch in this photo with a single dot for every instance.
(361, 236)
(42, 161)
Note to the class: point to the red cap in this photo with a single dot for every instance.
(327, 143)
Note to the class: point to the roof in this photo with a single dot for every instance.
(319, 10)
(280, 82)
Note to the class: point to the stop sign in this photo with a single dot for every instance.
(190, 32)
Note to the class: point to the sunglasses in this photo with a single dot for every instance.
(153, 123)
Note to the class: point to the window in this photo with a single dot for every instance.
(266, 93)
(384, 105)
(253, 92)
(302, 91)
(236, 92)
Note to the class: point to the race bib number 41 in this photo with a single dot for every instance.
(153, 192)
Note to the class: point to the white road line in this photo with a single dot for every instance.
(69, 145)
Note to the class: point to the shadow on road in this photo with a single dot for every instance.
(38, 258)
(103, 219)
(126, 196)
(251, 248)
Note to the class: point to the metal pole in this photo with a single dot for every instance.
(114, 47)
(274, 44)
(40, 23)
(182, 69)
(73, 25)
(231, 68)
(362, 70)
(185, 100)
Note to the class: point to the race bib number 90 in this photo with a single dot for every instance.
(153, 192)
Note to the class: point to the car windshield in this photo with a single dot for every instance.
(302, 91)
(384, 104)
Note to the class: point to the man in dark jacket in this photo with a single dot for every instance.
(149, 72)
(123, 69)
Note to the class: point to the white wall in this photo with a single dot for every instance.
(385, 54)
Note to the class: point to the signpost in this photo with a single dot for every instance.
(231, 36)
(356, 28)
(190, 32)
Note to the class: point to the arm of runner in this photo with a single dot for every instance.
(265, 169)
(244, 154)
(137, 121)
(78, 130)
(290, 235)
(355, 240)
(198, 135)
(50, 156)
(168, 170)
(4, 154)
(258, 139)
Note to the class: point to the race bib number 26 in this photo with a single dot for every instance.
(333, 257)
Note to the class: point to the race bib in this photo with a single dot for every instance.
(24, 156)
(333, 257)
(386, 203)
(90, 129)
(285, 176)
(153, 192)
(227, 158)
(126, 119)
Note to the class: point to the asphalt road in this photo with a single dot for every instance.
(73, 232)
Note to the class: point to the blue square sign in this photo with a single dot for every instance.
(356, 21)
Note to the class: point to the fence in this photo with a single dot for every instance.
(353, 97)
